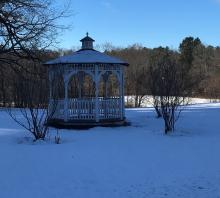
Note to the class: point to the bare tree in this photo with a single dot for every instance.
(156, 105)
(36, 113)
(27, 29)
(169, 83)
(27, 26)
(33, 94)
(154, 89)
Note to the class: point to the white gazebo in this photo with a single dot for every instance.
(86, 88)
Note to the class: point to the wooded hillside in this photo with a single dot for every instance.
(200, 65)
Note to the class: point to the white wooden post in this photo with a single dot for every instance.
(96, 93)
(79, 102)
(106, 106)
(122, 92)
(66, 82)
(81, 79)
(50, 92)
(50, 86)
(105, 78)
(80, 90)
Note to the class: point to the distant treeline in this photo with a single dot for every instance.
(201, 65)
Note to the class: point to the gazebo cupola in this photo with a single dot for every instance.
(86, 88)
(87, 42)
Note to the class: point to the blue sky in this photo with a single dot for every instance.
(151, 23)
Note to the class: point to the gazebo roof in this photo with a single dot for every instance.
(86, 56)
(87, 38)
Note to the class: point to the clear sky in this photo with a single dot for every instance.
(151, 23)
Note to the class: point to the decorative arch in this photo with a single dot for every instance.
(109, 84)
(70, 74)
(115, 72)
(80, 85)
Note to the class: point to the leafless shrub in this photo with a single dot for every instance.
(34, 90)
(57, 137)
(168, 86)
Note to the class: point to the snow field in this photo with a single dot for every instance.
(136, 161)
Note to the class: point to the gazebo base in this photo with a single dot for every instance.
(86, 124)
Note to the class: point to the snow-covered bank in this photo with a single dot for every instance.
(137, 161)
(147, 101)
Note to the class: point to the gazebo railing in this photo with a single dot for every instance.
(85, 109)
(81, 109)
(109, 108)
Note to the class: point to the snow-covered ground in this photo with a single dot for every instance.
(136, 161)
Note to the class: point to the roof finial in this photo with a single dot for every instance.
(87, 34)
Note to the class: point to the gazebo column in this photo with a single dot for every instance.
(50, 93)
(122, 93)
(81, 79)
(96, 93)
(105, 78)
(106, 106)
(50, 87)
(66, 117)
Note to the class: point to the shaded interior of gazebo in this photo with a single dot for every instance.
(86, 88)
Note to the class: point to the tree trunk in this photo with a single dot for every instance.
(157, 109)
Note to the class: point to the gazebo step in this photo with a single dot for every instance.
(86, 124)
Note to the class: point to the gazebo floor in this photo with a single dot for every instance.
(86, 124)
